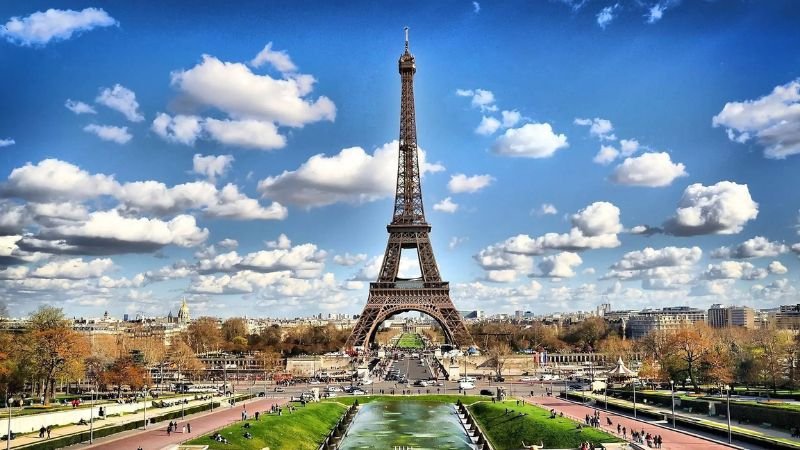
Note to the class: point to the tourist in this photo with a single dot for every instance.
(619, 429)
(169, 429)
(624, 433)
(189, 427)
(41, 431)
(48, 430)
(183, 429)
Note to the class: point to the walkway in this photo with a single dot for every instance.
(156, 438)
(673, 440)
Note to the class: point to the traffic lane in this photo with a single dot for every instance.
(156, 437)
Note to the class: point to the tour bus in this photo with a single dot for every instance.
(199, 387)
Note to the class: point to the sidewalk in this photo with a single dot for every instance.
(31, 438)
(673, 439)
(735, 426)
(156, 437)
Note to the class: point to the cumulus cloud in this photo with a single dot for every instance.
(108, 232)
(40, 27)
(481, 98)
(723, 208)
(606, 15)
(606, 155)
(53, 179)
(279, 59)
(460, 183)
(655, 13)
(476, 7)
(211, 166)
(546, 209)
(487, 126)
(602, 129)
(756, 247)
(532, 140)
(649, 170)
(245, 133)
(455, 241)
(5, 142)
(446, 205)
(772, 120)
(122, 99)
(351, 176)
(73, 269)
(79, 107)
(110, 133)
(350, 260)
(232, 88)
(775, 267)
(181, 129)
(560, 265)
(649, 258)
(734, 270)
(778, 290)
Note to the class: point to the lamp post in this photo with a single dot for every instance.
(672, 388)
(605, 394)
(91, 419)
(634, 398)
(728, 394)
(8, 429)
(144, 388)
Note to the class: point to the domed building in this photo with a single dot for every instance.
(183, 314)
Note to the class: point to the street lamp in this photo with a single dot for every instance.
(144, 388)
(728, 394)
(8, 430)
(91, 419)
(634, 398)
(605, 393)
(672, 388)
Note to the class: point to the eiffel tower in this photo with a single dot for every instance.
(390, 294)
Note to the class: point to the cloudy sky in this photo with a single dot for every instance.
(642, 153)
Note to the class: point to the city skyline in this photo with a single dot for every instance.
(575, 153)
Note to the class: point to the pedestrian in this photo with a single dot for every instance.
(41, 432)
(49, 429)
(169, 429)
(624, 433)
(619, 429)
(183, 429)
(189, 427)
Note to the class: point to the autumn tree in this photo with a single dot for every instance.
(125, 372)
(686, 349)
(770, 349)
(204, 335)
(182, 358)
(232, 328)
(52, 347)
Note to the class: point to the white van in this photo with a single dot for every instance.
(466, 385)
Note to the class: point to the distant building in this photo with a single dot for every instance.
(603, 309)
(672, 318)
(787, 317)
(183, 314)
(720, 316)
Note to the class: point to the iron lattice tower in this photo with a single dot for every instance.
(390, 294)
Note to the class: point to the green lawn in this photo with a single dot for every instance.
(410, 341)
(466, 399)
(507, 431)
(303, 429)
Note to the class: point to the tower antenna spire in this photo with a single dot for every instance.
(406, 30)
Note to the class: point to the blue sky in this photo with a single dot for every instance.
(639, 153)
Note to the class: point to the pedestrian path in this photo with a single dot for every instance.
(722, 422)
(673, 439)
(157, 438)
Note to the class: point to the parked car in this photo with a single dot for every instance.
(486, 392)
(280, 389)
(526, 379)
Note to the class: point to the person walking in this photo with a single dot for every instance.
(189, 427)
(183, 430)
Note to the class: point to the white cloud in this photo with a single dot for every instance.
(734, 270)
(606, 15)
(350, 260)
(487, 126)
(73, 269)
(351, 176)
(304, 260)
(723, 208)
(52, 179)
(778, 290)
(234, 89)
(756, 247)
(370, 270)
(121, 99)
(180, 129)
(532, 140)
(628, 146)
(476, 7)
(773, 120)
(54, 24)
(110, 133)
(211, 166)
(283, 242)
(79, 107)
(775, 267)
(446, 205)
(6, 142)
(649, 169)
(546, 209)
(232, 204)
(245, 133)
(602, 129)
(510, 118)
(279, 59)
(560, 265)
(655, 13)
(460, 183)
(664, 257)
(455, 241)
(481, 98)
(606, 155)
